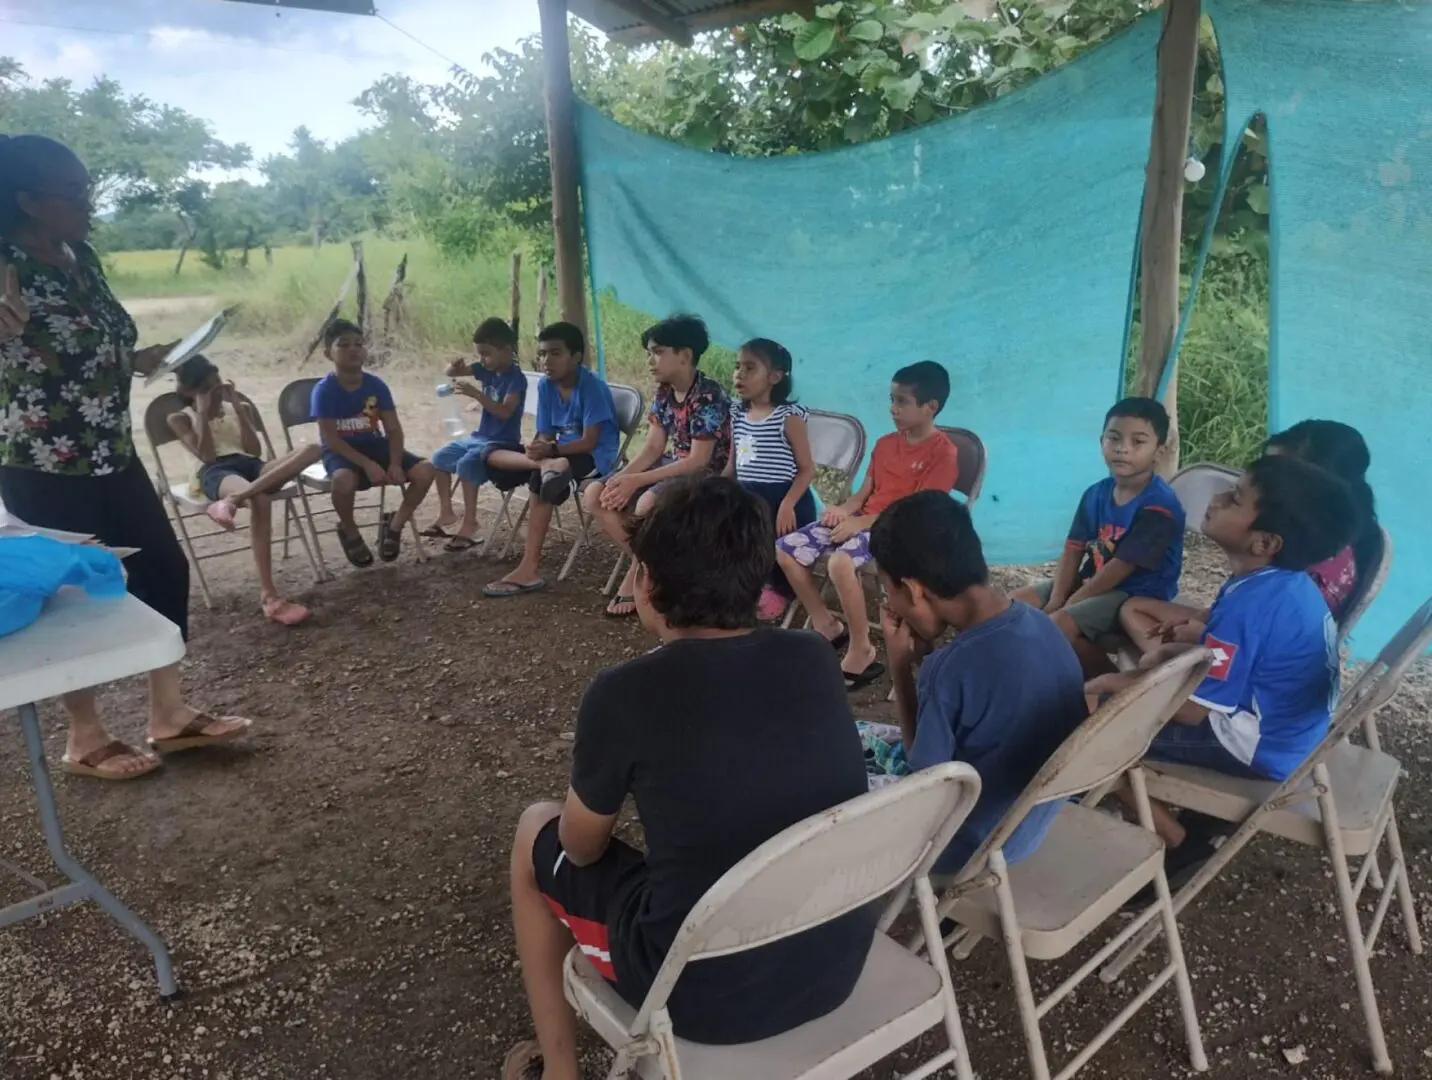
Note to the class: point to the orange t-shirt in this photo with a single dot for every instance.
(900, 467)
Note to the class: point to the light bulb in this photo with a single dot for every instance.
(1194, 170)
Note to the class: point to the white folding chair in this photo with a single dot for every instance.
(813, 872)
(510, 486)
(1089, 865)
(1197, 485)
(1347, 810)
(186, 506)
(295, 410)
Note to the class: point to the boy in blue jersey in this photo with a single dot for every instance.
(1126, 539)
(501, 390)
(977, 699)
(1266, 701)
(577, 438)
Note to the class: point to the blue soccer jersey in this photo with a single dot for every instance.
(1146, 531)
(1274, 679)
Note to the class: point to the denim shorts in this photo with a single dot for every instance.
(1198, 745)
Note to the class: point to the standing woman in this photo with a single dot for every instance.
(67, 456)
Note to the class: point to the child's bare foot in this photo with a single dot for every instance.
(222, 513)
(285, 612)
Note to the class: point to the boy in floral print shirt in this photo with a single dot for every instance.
(690, 434)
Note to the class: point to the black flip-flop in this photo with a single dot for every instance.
(610, 614)
(501, 589)
(354, 549)
(434, 532)
(390, 543)
(460, 543)
(872, 671)
(841, 640)
(555, 488)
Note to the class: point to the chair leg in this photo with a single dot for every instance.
(1352, 924)
(497, 520)
(512, 532)
(327, 575)
(584, 537)
(193, 557)
(954, 1030)
(1404, 888)
(290, 513)
(1192, 1035)
(1019, 971)
(285, 534)
(615, 576)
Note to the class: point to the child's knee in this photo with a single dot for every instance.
(592, 498)
(1067, 626)
(528, 826)
(345, 482)
(422, 473)
(645, 503)
(841, 566)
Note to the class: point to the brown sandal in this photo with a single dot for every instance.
(523, 1062)
(91, 764)
(195, 734)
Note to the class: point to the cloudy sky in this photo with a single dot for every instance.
(253, 74)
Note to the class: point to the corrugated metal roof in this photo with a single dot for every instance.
(625, 19)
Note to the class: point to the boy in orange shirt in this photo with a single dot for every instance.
(914, 457)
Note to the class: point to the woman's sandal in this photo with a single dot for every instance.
(460, 543)
(92, 764)
(523, 1062)
(195, 734)
(621, 601)
(355, 549)
(390, 540)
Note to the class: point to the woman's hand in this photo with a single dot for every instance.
(144, 361)
(14, 312)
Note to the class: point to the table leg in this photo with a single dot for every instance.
(50, 821)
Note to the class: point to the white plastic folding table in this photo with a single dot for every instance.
(79, 642)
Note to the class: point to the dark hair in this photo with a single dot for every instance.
(568, 334)
(1309, 508)
(25, 160)
(192, 373)
(494, 332)
(929, 380)
(708, 547)
(928, 537)
(1341, 449)
(1142, 408)
(679, 332)
(778, 358)
(336, 329)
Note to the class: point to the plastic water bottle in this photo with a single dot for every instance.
(451, 410)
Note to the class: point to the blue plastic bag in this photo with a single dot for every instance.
(34, 568)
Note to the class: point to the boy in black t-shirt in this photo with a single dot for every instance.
(673, 730)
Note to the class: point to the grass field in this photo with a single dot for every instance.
(1223, 371)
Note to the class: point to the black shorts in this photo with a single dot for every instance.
(245, 466)
(557, 491)
(377, 450)
(586, 898)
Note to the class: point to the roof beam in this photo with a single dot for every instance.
(744, 11)
(655, 19)
(343, 7)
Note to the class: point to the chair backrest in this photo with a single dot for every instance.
(156, 419)
(630, 407)
(1196, 486)
(837, 442)
(1369, 583)
(1108, 744)
(1376, 684)
(295, 403)
(822, 868)
(972, 461)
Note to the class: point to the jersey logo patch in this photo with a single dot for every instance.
(1223, 654)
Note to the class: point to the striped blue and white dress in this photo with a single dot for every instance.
(765, 463)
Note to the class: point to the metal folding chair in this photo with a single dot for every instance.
(1088, 866)
(295, 410)
(815, 871)
(1347, 810)
(187, 506)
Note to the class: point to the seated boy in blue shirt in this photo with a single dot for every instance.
(577, 438)
(1266, 701)
(1126, 539)
(363, 443)
(1002, 696)
(501, 390)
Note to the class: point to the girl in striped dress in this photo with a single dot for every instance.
(770, 451)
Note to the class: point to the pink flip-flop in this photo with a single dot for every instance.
(221, 513)
(284, 611)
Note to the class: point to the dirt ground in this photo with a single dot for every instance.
(334, 888)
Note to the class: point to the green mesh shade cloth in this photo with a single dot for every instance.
(998, 243)
(1347, 91)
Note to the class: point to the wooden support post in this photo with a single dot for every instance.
(516, 300)
(542, 289)
(562, 153)
(1163, 203)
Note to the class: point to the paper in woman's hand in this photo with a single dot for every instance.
(193, 344)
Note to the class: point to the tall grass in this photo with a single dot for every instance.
(1223, 371)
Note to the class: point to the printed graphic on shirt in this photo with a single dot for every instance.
(1223, 654)
(368, 422)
